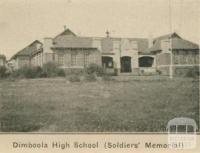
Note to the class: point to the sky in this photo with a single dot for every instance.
(23, 21)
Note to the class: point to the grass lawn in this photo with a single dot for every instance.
(135, 105)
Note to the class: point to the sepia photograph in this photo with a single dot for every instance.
(99, 66)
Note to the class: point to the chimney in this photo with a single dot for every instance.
(47, 51)
(48, 43)
(107, 34)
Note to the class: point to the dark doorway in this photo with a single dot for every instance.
(125, 64)
(107, 62)
(146, 61)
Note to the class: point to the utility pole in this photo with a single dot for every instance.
(170, 43)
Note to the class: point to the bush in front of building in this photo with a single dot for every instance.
(51, 69)
(187, 71)
(27, 72)
(48, 70)
(90, 77)
(74, 78)
(3, 72)
(61, 73)
(95, 69)
(193, 72)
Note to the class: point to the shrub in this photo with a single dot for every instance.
(90, 77)
(95, 68)
(61, 73)
(28, 72)
(15, 74)
(50, 69)
(38, 71)
(31, 72)
(194, 72)
(74, 78)
(3, 72)
(187, 71)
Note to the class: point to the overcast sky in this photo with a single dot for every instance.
(23, 21)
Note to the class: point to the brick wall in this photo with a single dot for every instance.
(163, 59)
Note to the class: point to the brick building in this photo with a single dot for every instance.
(114, 54)
(122, 55)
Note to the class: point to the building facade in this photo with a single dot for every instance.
(116, 55)
(135, 56)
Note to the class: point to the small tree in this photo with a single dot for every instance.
(51, 69)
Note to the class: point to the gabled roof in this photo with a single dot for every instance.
(167, 36)
(72, 42)
(143, 45)
(183, 44)
(66, 32)
(28, 51)
(178, 43)
(68, 39)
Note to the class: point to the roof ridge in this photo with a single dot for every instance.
(166, 35)
(65, 32)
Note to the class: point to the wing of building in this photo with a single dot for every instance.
(31, 55)
(172, 50)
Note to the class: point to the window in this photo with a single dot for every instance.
(190, 129)
(61, 59)
(107, 62)
(87, 58)
(197, 59)
(73, 59)
(182, 128)
(173, 128)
